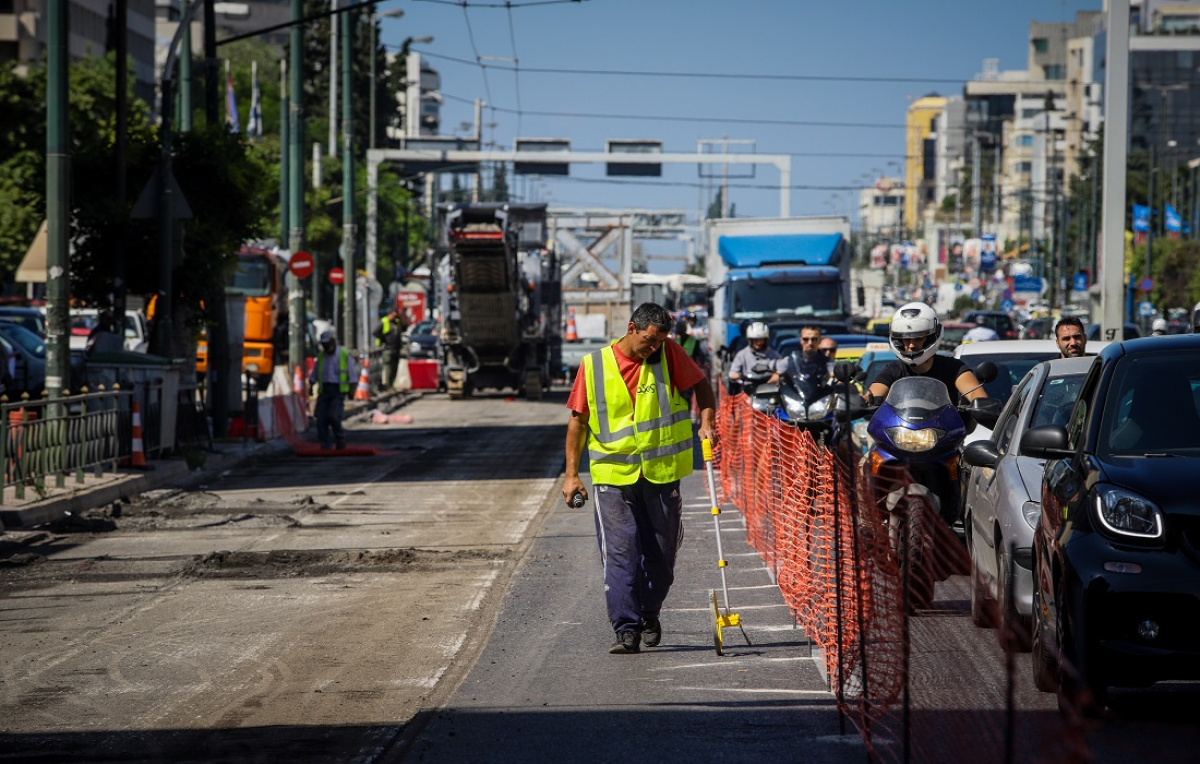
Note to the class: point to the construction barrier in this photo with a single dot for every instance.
(833, 533)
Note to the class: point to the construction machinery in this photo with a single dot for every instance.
(500, 297)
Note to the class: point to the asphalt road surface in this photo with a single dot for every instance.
(438, 602)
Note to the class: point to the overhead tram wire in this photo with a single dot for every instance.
(512, 36)
(487, 88)
(526, 4)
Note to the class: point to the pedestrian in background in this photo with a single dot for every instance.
(391, 335)
(332, 373)
(1070, 337)
(627, 408)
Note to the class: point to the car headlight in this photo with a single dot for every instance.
(915, 440)
(1031, 511)
(1125, 514)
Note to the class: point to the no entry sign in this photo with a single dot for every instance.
(301, 264)
(336, 275)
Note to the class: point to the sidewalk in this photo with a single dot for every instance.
(74, 498)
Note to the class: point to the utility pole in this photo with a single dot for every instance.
(58, 199)
(333, 75)
(296, 163)
(295, 288)
(976, 170)
(349, 234)
(220, 365)
(185, 79)
(120, 155)
(1116, 134)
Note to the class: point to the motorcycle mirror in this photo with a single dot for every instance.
(986, 372)
(985, 411)
(843, 371)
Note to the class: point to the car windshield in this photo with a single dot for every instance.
(251, 278)
(1153, 406)
(1058, 396)
(917, 399)
(1011, 368)
(21, 336)
(764, 299)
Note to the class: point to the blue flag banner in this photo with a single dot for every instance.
(231, 112)
(254, 126)
(1141, 218)
(1173, 222)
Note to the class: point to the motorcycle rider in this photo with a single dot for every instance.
(915, 334)
(1158, 327)
(813, 362)
(756, 352)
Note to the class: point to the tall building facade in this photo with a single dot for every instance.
(920, 156)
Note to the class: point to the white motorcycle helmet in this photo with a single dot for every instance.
(916, 320)
(1159, 325)
(757, 331)
(1196, 318)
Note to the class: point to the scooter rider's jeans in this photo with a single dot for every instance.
(639, 528)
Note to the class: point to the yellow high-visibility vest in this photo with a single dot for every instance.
(651, 435)
(343, 370)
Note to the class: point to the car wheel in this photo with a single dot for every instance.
(1045, 667)
(1082, 686)
(1014, 628)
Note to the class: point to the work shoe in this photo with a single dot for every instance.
(627, 642)
(651, 632)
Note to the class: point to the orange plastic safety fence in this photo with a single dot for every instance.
(855, 556)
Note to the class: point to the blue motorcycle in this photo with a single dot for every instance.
(913, 470)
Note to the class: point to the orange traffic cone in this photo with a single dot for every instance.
(572, 332)
(137, 458)
(298, 383)
(363, 392)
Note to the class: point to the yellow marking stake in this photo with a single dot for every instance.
(728, 619)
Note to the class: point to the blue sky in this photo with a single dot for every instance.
(929, 41)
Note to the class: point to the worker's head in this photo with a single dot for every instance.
(1070, 337)
(649, 327)
(681, 329)
(758, 335)
(915, 333)
(1158, 326)
(828, 347)
(328, 341)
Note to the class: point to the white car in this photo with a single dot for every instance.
(1013, 359)
(1002, 495)
(137, 337)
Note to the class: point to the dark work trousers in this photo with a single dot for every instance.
(330, 407)
(640, 528)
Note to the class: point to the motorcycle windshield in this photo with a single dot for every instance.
(917, 399)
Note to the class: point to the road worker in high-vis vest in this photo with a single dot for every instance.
(627, 408)
(335, 374)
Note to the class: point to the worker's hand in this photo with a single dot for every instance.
(572, 485)
(774, 380)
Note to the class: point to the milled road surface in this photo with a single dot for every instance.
(298, 608)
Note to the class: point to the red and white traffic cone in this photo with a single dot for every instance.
(298, 383)
(572, 332)
(137, 458)
(363, 392)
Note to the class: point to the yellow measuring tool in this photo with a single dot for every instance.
(727, 619)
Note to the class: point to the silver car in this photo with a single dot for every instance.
(1003, 496)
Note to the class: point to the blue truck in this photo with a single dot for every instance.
(774, 270)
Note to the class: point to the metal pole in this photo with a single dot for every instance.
(185, 78)
(374, 86)
(334, 23)
(976, 210)
(1116, 136)
(349, 234)
(120, 153)
(296, 138)
(58, 197)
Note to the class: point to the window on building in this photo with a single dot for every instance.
(1040, 44)
(1025, 167)
(1024, 140)
(1055, 72)
(1030, 113)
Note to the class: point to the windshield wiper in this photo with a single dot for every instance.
(1159, 456)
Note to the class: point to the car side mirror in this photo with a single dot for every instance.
(1046, 442)
(987, 372)
(985, 411)
(981, 453)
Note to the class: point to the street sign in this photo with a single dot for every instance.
(301, 264)
(336, 276)
(1146, 284)
(1007, 305)
(1145, 308)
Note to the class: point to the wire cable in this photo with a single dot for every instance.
(487, 88)
(526, 4)
(512, 36)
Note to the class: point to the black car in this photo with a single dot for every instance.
(423, 339)
(30, 318)
(27, 373)
(1117, 547)
(996, 320)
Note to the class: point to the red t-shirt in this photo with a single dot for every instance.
(683, 371)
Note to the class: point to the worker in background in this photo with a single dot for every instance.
(391, 335)
(332, 373)
(1158, 327)
(626, 408)
(103, 337)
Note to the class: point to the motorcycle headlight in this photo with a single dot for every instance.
(794, 406)
(1031, 511)
(914, 440)
(820, 409)
(414, 347)
(1125, 514)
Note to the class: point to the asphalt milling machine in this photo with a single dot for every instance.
(502, 299)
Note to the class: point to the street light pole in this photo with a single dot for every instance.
(349, 234)
(395, 13)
